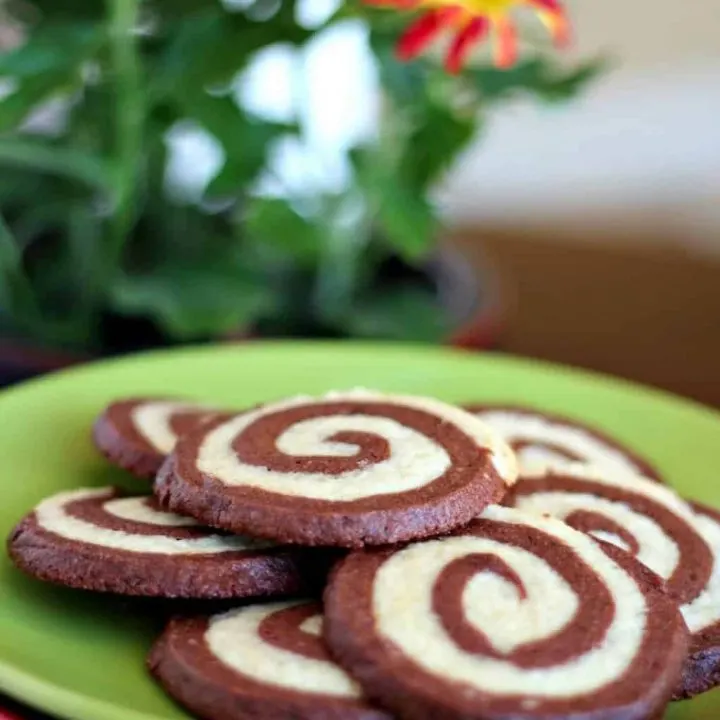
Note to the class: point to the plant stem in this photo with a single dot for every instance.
(129, 120)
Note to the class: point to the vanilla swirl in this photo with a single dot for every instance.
(161, 422)
(351, 446)
(538, 437)
(526, 617)
(638, 515)
(279, 644)
(98, 517)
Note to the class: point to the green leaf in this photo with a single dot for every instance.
(47, 65)
(50, 48)
(210, 47)
(399, 313)
(207, 50)
(244, 139)
(274, 223)
(242, 164)
(69, 9)
(193, 302)
(433, 145)
(404, 217)
(15, 107)
(172, 9)
(538, 76)
(404, 82)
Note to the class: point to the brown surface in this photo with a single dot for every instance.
(646, 311)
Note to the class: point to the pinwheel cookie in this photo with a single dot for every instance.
(514, 616)
(261, 662)
(346, 469)
(95, 539)
(138, 434)
(656, 526)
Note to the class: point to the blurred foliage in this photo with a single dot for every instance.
(88, 230)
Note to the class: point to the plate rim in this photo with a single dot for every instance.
(57, 701)
(390, 347)
(50, 697)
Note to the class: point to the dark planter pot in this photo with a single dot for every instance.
(472, 300)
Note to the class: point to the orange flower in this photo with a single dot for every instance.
(472, 21)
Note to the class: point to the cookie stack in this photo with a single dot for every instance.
(395, 556)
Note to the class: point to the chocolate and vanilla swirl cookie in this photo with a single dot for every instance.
(514, 616)
(137, 434)
(95, 539)
(656, 526)
(537, 436)
(346, 469)
(263, 662)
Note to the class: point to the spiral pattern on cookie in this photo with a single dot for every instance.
(643, 518)
(99, 540)
(355, 455)
(270, 657)
(543, 437)
(131, 524)
(349, 446)
(279, 644)
(514, 614)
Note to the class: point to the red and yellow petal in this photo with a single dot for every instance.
(506, 43)
(395, 4)
(471, 34)
(471, 20)
(423, 31)
(553, 16)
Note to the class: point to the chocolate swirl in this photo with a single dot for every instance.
(262, 661)
(337, 458)
(539, 437)
(636, 514)
(513, 616)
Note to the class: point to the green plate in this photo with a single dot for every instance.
(80, 656)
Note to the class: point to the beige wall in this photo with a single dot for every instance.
(639, 153)
(649, 33)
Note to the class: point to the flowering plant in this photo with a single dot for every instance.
(90, 235)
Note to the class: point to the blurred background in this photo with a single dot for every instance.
(176, 171)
